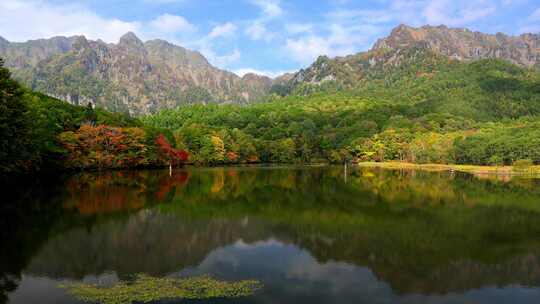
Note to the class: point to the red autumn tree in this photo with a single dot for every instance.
(173, 155)
(232, 157)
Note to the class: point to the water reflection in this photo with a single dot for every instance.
(383, 236)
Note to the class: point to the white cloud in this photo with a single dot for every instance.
(207, 44)
(163, 1)
(513, 2)
(357, 35)
(23, 20)
(271, 74)
(533, 28)
(221, 61)
(306, 49)
(223, 30)
(419, 12)
(257, 28)
(348, 31)
(397, 11)
(367, 16)
(457, 13)
(339, 2)
(44, 20)
(531, 24)
(535, 16)
(270, 8)
(258, 31)
(171, 24)
(338, 40)
(299, 28)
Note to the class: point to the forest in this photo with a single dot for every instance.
(41, 133)
(426, 110)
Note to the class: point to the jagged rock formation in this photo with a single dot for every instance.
(463, 44)
(407, 43)
(130, 76)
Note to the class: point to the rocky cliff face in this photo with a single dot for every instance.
(129, 76)
(463, 44)
(407, 43)
(27, 54)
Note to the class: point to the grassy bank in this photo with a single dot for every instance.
(478, 170)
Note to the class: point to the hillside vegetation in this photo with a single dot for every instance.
(38, 132)
(427, 109)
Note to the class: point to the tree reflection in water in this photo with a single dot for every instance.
(403, 234)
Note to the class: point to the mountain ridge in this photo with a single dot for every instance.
(405, 43)
(144, 77)
(129, 76)
(464, 44)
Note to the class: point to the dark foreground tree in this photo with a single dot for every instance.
(15, 130)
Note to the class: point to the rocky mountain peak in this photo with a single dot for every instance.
(283, 79)
(130, 76)
(175, 55)
(253, 76)
(406, 44)
(401, 28)
(80, 43)
(463, 44)
(257, 82)
(130, 40)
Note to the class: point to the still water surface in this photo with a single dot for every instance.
(310, 235)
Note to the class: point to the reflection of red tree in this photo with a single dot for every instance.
(183, 178)
(253, 159)
(97, 196)
(232, 173)
(166, 184)
(173, 155)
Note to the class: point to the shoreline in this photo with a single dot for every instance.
(472, 169)
(505, 171)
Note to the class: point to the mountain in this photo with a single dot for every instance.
(406, 44)
(463, 44)
(130, 76)
(143, 77)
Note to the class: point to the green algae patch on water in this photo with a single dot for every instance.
(145, 289)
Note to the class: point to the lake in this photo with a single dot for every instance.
(308, 234)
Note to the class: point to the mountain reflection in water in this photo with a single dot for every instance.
(307, 234)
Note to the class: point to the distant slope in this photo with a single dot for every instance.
(404, 45)
(426, 82)
(130, 76)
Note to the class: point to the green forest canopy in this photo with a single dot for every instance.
(483, 112)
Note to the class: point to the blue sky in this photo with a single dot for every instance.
(264, 36)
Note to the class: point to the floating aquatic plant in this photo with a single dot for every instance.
(145, 288)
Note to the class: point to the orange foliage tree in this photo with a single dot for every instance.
(105, 147)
